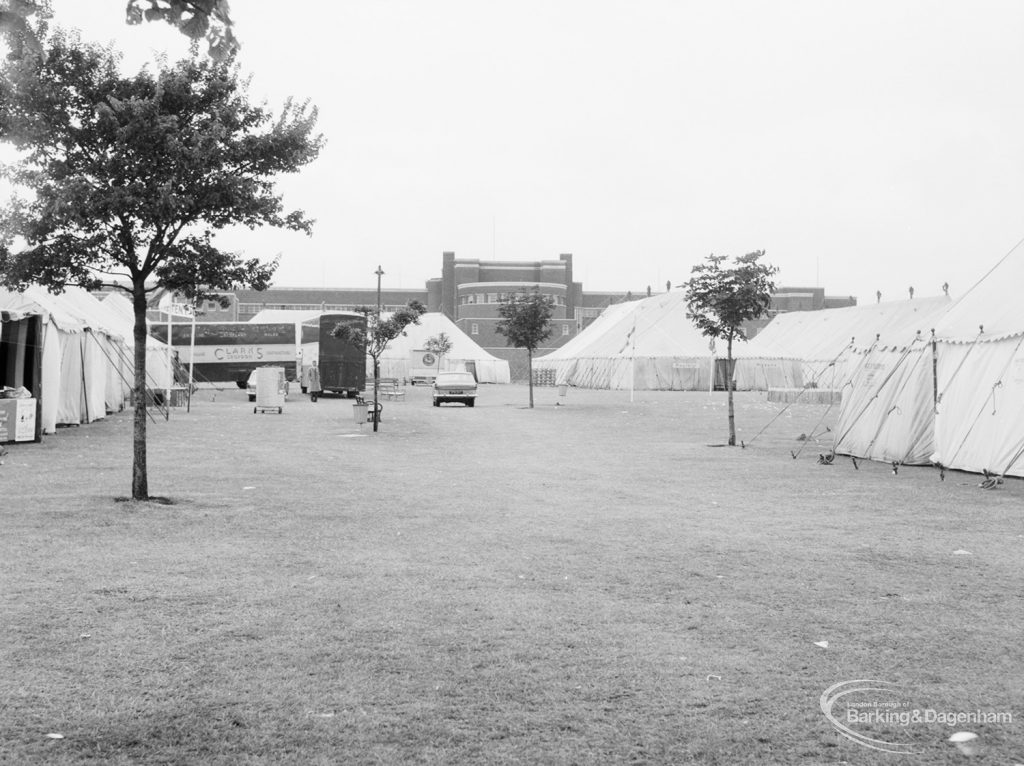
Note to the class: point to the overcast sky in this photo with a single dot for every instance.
(867, 145)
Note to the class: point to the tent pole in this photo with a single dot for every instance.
(632, 359)
(191, 358)
(170, 363)
(85, 385)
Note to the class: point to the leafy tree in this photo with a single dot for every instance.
(526, 323)
(198, 19)
(720, 300)
(439, 344)
(130, 178)
(195, 18)
(16, 26)
(378, 334)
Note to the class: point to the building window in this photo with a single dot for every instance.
(565, 329)
(492, 298)
(474, 329)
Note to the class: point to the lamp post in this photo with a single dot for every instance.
(379, 272)
(376, 367)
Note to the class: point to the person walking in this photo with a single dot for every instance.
(313, 386)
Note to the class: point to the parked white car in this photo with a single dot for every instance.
(454, 387)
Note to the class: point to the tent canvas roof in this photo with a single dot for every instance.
(823, 335)
(37, 300)
(604, 320)
(652, 327)
(431, 324)
(274, 316)
(993, 303)
(98, 315)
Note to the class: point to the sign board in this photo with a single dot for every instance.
(229, 351)
(421, 359)
(257, 354)
(17, 420)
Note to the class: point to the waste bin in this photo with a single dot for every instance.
(359, 411)
(563, 389)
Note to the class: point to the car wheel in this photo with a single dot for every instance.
(437, 403)
(470, 402)
(252, 398)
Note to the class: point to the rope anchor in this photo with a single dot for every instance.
(991, 481)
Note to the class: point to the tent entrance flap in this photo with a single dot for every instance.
(19, 354)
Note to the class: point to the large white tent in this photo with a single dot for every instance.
(397, 360)
(830, 344)
(562, 358)
(979, 421)
(647, 345)
(158, 366)
(887, 411)
(81, 356)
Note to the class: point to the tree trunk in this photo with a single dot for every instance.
(728, 387)
(376, 390)
(529, 366)
(140, 481)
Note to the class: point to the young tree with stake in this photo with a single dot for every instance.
(440, 345)
(721, 299)
(526, 323)
(378, 334)
(129, 178)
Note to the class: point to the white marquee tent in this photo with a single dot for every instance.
(158, 367)
(397, 360)
(888, 402)
(830, 343)
(650, 345)
(82, 355)
(979, 422)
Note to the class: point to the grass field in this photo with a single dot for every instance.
(581, 584)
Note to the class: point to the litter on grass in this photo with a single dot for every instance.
(962, 552)
(54, 735)
(822, 644)
(965, 742)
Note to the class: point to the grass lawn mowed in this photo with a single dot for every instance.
(592, 583)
